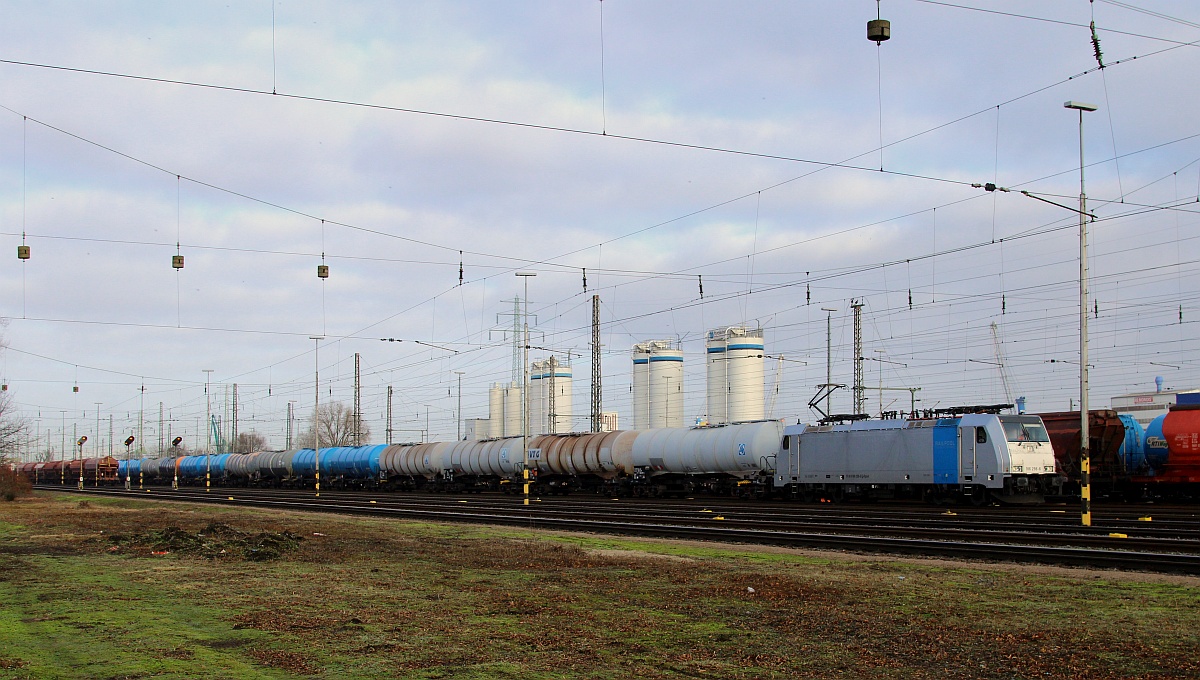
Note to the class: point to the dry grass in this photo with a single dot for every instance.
(378, 598)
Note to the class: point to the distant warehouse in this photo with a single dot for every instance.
(1146, 406)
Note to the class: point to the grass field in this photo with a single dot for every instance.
(102, 589)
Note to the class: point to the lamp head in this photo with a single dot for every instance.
(1081, 106)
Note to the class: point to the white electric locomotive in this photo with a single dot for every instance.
(973, 457)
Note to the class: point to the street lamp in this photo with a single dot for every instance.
(316, 400)
(524, 389)
(1085, 464)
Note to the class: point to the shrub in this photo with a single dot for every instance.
(12, 484)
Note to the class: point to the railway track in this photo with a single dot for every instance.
(1125, 541)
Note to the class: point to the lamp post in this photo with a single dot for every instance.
(524, 389)
(828, 354)
(1085, 463)
(316, 400)
(208, 437)
(460, 375)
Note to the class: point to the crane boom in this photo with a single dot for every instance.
(1001, 362)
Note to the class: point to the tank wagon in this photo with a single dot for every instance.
(1171, 455)
(974, 457)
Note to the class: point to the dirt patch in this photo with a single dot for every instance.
(291, 662)
(214, 541)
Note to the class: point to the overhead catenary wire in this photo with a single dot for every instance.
(515, 259)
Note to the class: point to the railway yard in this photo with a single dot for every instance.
(256, 583)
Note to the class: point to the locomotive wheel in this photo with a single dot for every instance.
(978, 496)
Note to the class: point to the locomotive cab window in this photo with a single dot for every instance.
(787, 441)
(1024, 429)
(980, 435)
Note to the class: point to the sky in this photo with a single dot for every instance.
(766, 151)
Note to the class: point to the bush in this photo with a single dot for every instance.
(12, 484)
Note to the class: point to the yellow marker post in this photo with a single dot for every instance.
(1085, 488)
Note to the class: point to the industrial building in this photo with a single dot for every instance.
(1146, 406)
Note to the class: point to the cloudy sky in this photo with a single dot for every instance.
(652, 144)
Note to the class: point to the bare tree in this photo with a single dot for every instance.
(12, 426)
(12, 429)
(248, 442)
(335, 423)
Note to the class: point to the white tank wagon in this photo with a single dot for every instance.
(736, 459)
(975, 457)
(410, 466)
(493, 458)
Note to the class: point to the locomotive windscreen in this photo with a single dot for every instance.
(1024, 429)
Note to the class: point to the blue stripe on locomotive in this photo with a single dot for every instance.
(945, 451)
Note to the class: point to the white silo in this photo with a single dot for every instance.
(735, 374)
(495, 412)
(641, 396)
(512, 411)
(562, 386)
(665, 384)
(538, 375)
(554, 377)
